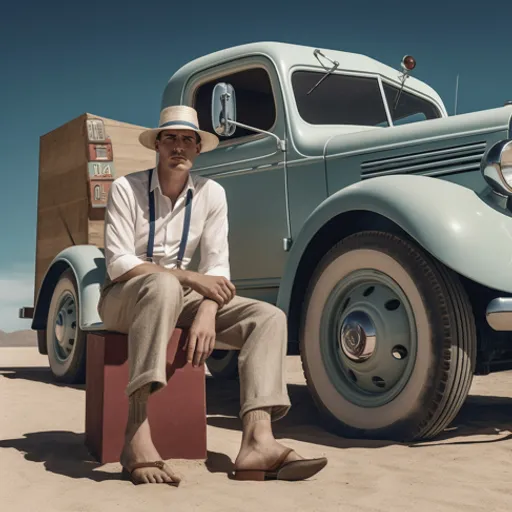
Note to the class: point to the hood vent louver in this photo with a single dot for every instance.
(456, 159)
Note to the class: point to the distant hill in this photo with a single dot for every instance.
(24, 338)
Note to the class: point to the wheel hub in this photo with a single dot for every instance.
(365, 306)
(65, 327)
(358, 337)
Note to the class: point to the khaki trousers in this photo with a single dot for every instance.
(148, 307)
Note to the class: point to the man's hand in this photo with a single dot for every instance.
(202, 335)
(216, 288)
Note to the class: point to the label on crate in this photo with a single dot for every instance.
(96, 130)
(101, 170)
(100, 152)
(99, 190)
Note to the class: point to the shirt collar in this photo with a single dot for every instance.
(155, 183)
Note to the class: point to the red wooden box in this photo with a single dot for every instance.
(176, 413)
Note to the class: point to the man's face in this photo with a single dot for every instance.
(178, 149)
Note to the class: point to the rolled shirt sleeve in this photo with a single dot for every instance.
(214, 240)
(119, 232)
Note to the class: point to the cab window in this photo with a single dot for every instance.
(255, 104)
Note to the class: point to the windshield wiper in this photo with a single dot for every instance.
(335, 64)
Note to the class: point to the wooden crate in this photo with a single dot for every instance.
(73, 186)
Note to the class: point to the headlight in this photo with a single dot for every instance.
(496, 167)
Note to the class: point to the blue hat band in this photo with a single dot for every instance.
(184, 123)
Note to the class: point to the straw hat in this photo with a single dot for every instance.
(179, 117)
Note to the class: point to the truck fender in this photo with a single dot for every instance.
(88, 265)
(450, 221)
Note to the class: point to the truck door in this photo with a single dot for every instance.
(250, 167)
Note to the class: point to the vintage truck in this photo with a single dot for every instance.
(378, 223)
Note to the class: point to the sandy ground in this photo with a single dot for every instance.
(44, 465)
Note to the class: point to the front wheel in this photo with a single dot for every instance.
(388, 339)
(65, 341)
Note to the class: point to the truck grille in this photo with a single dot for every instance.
(456, 159)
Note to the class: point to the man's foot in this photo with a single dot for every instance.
(275, 462)
(139, 448)
(262, 455)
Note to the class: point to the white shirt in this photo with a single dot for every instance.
(127, 225)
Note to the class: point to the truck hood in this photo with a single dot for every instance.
(417, 134)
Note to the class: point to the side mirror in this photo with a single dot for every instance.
(224, 109)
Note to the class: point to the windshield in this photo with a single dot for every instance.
(345, 99)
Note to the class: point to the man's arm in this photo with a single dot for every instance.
(120, 233)
(214, 262)
(214, 240)
(185, 277)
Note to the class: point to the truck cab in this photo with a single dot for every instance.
(375, 221)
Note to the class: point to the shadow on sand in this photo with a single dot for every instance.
(64, 452)
(40, 374)
(479, 416)
(61, 452)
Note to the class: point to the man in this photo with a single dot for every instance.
(154, 222)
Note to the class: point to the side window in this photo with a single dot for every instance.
(255, 104)
(339, 99)
(410, 108)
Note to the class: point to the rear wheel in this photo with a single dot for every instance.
(223, 364)
(388, 341)
(65, 341)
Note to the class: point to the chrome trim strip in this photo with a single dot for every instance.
(237, 162)
(499, 314)
(238, 172)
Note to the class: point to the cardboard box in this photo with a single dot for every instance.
(70, 209)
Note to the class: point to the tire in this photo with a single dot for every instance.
(223, 364)
(67, 359)
(404, 365)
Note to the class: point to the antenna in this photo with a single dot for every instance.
(456, 93)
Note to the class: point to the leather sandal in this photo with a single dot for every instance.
(127, 474)
(291, 471)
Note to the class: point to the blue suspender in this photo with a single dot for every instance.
(151, 238)
(186, 223)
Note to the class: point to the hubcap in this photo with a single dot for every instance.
(368, 338)
(65, 327)
(358, 337)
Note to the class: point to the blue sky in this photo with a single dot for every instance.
(61, 59)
